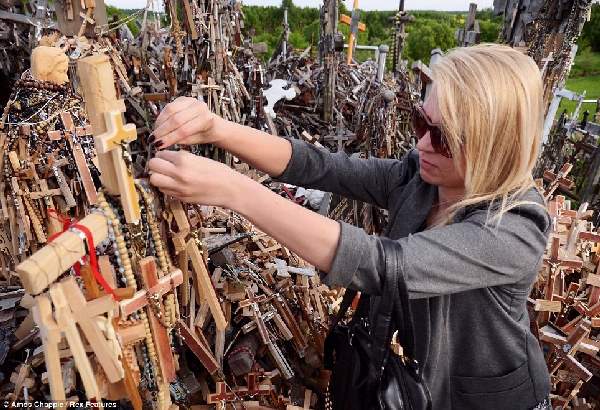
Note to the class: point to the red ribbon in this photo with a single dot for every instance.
(72, 223)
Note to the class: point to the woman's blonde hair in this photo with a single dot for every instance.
(490, 99)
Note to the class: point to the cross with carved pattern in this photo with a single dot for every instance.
(112, 143)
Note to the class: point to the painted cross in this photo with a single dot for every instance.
(112, 143)
(355, 27)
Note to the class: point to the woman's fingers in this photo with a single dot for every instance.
(173, 108)
(162, 166)
(164, 182)
(174, 157)
(175, 121)
(186, 134)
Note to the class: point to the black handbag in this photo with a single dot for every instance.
(366, 373)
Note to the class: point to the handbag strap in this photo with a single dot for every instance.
(349, 296)
(394, 309)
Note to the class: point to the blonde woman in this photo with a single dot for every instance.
(467, 222)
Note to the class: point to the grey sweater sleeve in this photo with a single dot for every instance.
(455, 258)
(367, 180)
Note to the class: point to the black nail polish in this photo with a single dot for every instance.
(151, 138)
(159, 145)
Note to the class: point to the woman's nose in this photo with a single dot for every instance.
(424, 144)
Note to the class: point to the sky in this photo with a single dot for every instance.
(452, 5)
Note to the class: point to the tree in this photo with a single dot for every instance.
(591, 31)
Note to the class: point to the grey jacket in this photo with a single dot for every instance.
(468, 282)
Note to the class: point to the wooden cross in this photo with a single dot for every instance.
(86, 314)
(355, 26)
(222, 395)
(55, 165)
(558, 180)
(155, 288)
(470, 34)
(67, 324)
(84, 173)
(111, 143)
(200, 350)
(51, 336)
(564, 349)
(204, 284)
(104, 112)
(253, 388)
(53, 224)
(341, 138)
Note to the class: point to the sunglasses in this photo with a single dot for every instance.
(422, 124)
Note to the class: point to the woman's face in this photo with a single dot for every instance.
(435, 168)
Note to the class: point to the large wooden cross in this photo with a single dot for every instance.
(156, 288)
(110, 134)
(355, 27)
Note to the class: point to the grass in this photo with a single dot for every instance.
(585, 76)
(589, 84)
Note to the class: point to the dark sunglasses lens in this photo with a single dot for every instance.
(439, 143)
(419, 124)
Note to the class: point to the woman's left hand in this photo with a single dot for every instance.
(195, 179)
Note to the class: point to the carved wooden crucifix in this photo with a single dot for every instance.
(110, 134)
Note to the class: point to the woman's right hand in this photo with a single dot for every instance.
(185, 121)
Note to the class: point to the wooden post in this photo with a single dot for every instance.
(67, 324)
(50, 335)
(46, 265)
(97, 82)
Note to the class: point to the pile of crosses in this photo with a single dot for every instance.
(565, 301)
(218, 313)
(111, 291)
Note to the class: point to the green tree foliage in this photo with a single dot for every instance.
(431, 29)
(590, 37)
(120, 14)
